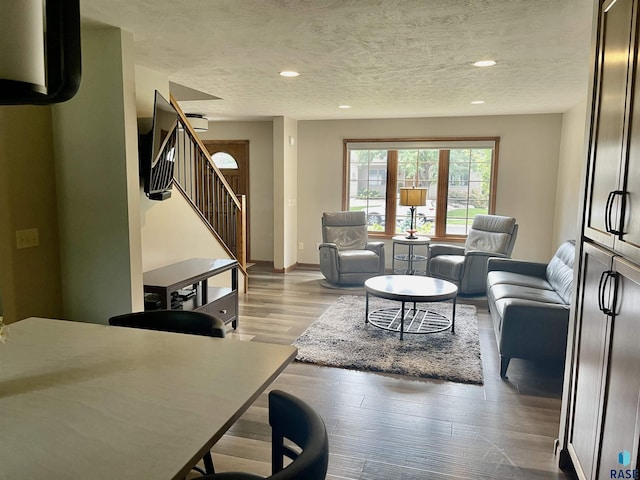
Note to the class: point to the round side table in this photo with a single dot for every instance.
(409, 257)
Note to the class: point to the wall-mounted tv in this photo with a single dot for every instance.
(158, 150)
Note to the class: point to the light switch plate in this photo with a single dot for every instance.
(27, 238)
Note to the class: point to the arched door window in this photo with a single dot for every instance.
(224, 160)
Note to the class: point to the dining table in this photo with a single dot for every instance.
(84, 400)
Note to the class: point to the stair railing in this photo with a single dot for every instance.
(208, 192)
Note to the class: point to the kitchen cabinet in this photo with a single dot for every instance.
(601, 428)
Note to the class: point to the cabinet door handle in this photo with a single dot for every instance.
(605, 287)
(608, 216)
(603, 278)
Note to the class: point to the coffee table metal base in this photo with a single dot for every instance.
(414, 320)
(409, 289)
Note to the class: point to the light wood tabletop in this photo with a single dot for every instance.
(80, 400)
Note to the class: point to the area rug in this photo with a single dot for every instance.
(340, 338)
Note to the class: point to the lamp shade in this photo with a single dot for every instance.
(413, 197)
(40, 43)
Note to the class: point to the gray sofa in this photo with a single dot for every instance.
(529, 305)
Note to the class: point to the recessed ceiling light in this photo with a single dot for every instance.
(289, 73)
(477, 102)
(484, 63)
(344, 106)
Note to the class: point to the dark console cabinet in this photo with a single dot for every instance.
(195, 273)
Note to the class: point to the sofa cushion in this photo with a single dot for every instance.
(501, 304)
(503, 291)
(447, 266)
(498, 277)
(560, 270)
(358, 261)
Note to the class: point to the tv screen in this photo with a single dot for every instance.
(157, 156)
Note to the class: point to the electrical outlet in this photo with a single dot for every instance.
(300, 245)
(27, 238)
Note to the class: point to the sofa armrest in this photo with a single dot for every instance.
(534, 330)
(535, 269)
(377, 247)
(329, 261)
(480, 254)
(436, 249)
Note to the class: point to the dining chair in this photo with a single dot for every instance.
(176, 321)
(293, 420)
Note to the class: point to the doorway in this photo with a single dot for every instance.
(232, 158)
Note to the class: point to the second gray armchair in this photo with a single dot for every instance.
(489, 236)
(346, 254)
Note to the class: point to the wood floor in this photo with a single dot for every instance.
(391, 427)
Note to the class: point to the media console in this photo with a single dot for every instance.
(195, 272)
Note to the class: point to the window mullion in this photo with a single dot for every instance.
(443, 191)
(392, 189)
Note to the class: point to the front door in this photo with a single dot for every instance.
(232, 158)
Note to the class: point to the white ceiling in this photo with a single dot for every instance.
(385, 58)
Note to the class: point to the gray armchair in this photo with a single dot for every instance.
(346, 255)
(490, 236)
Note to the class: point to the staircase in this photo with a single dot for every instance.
(198, 179)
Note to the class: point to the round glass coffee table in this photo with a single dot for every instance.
(410, 289)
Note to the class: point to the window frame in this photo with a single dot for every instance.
(443, 179)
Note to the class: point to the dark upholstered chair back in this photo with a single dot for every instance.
(178, 321)
(292, 419)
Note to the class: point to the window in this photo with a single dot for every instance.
(459, 176)
(224, 160)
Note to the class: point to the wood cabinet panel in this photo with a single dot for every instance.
(628, 241)
(592, 346)
(607, 391)
(610, 109)
(603, 416)
(225, 307)
(620, 430)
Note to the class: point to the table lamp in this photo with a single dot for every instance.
(413, 197)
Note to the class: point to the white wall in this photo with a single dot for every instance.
(570, 174)
(172, 232)
(96, 159)
(527, 170)
(285, 186)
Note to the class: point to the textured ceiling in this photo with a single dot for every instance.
(385, 58)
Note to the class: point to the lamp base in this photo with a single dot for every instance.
(412, 235)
